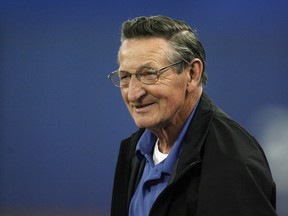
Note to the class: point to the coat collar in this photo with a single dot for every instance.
(197, 132)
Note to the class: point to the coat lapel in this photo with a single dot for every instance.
(137, 168)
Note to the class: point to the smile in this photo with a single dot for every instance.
(143, 107)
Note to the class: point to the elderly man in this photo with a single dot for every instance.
(188, 157)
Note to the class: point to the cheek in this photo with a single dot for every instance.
(178, 96)
(173, 99)
(178, 91)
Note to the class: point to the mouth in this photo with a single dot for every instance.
(143, 107)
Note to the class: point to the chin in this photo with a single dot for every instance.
(144, 124)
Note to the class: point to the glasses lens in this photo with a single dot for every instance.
(114, 77)
(148, 76)
(124, 78)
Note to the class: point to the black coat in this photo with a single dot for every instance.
(221, 171)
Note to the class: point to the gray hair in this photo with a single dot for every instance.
(183, 40)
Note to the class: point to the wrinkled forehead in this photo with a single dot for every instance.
(136, 52)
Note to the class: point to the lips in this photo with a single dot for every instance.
(143, 107)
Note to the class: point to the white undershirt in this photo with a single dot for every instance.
(158, 156)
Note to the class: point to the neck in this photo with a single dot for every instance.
(169, 133)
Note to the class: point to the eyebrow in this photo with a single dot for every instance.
(138, 69)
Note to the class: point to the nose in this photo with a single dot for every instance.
(135, 89)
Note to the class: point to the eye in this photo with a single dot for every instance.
(148, 74)
(124, 76)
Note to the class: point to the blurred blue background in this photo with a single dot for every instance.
(61, 121)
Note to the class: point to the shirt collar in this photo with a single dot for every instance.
(145, 144)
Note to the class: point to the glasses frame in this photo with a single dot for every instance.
(158, 72)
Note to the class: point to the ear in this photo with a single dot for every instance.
(195, 72)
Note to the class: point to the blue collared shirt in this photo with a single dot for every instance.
(154, 178)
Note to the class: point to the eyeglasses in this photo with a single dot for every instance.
(147, 76)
